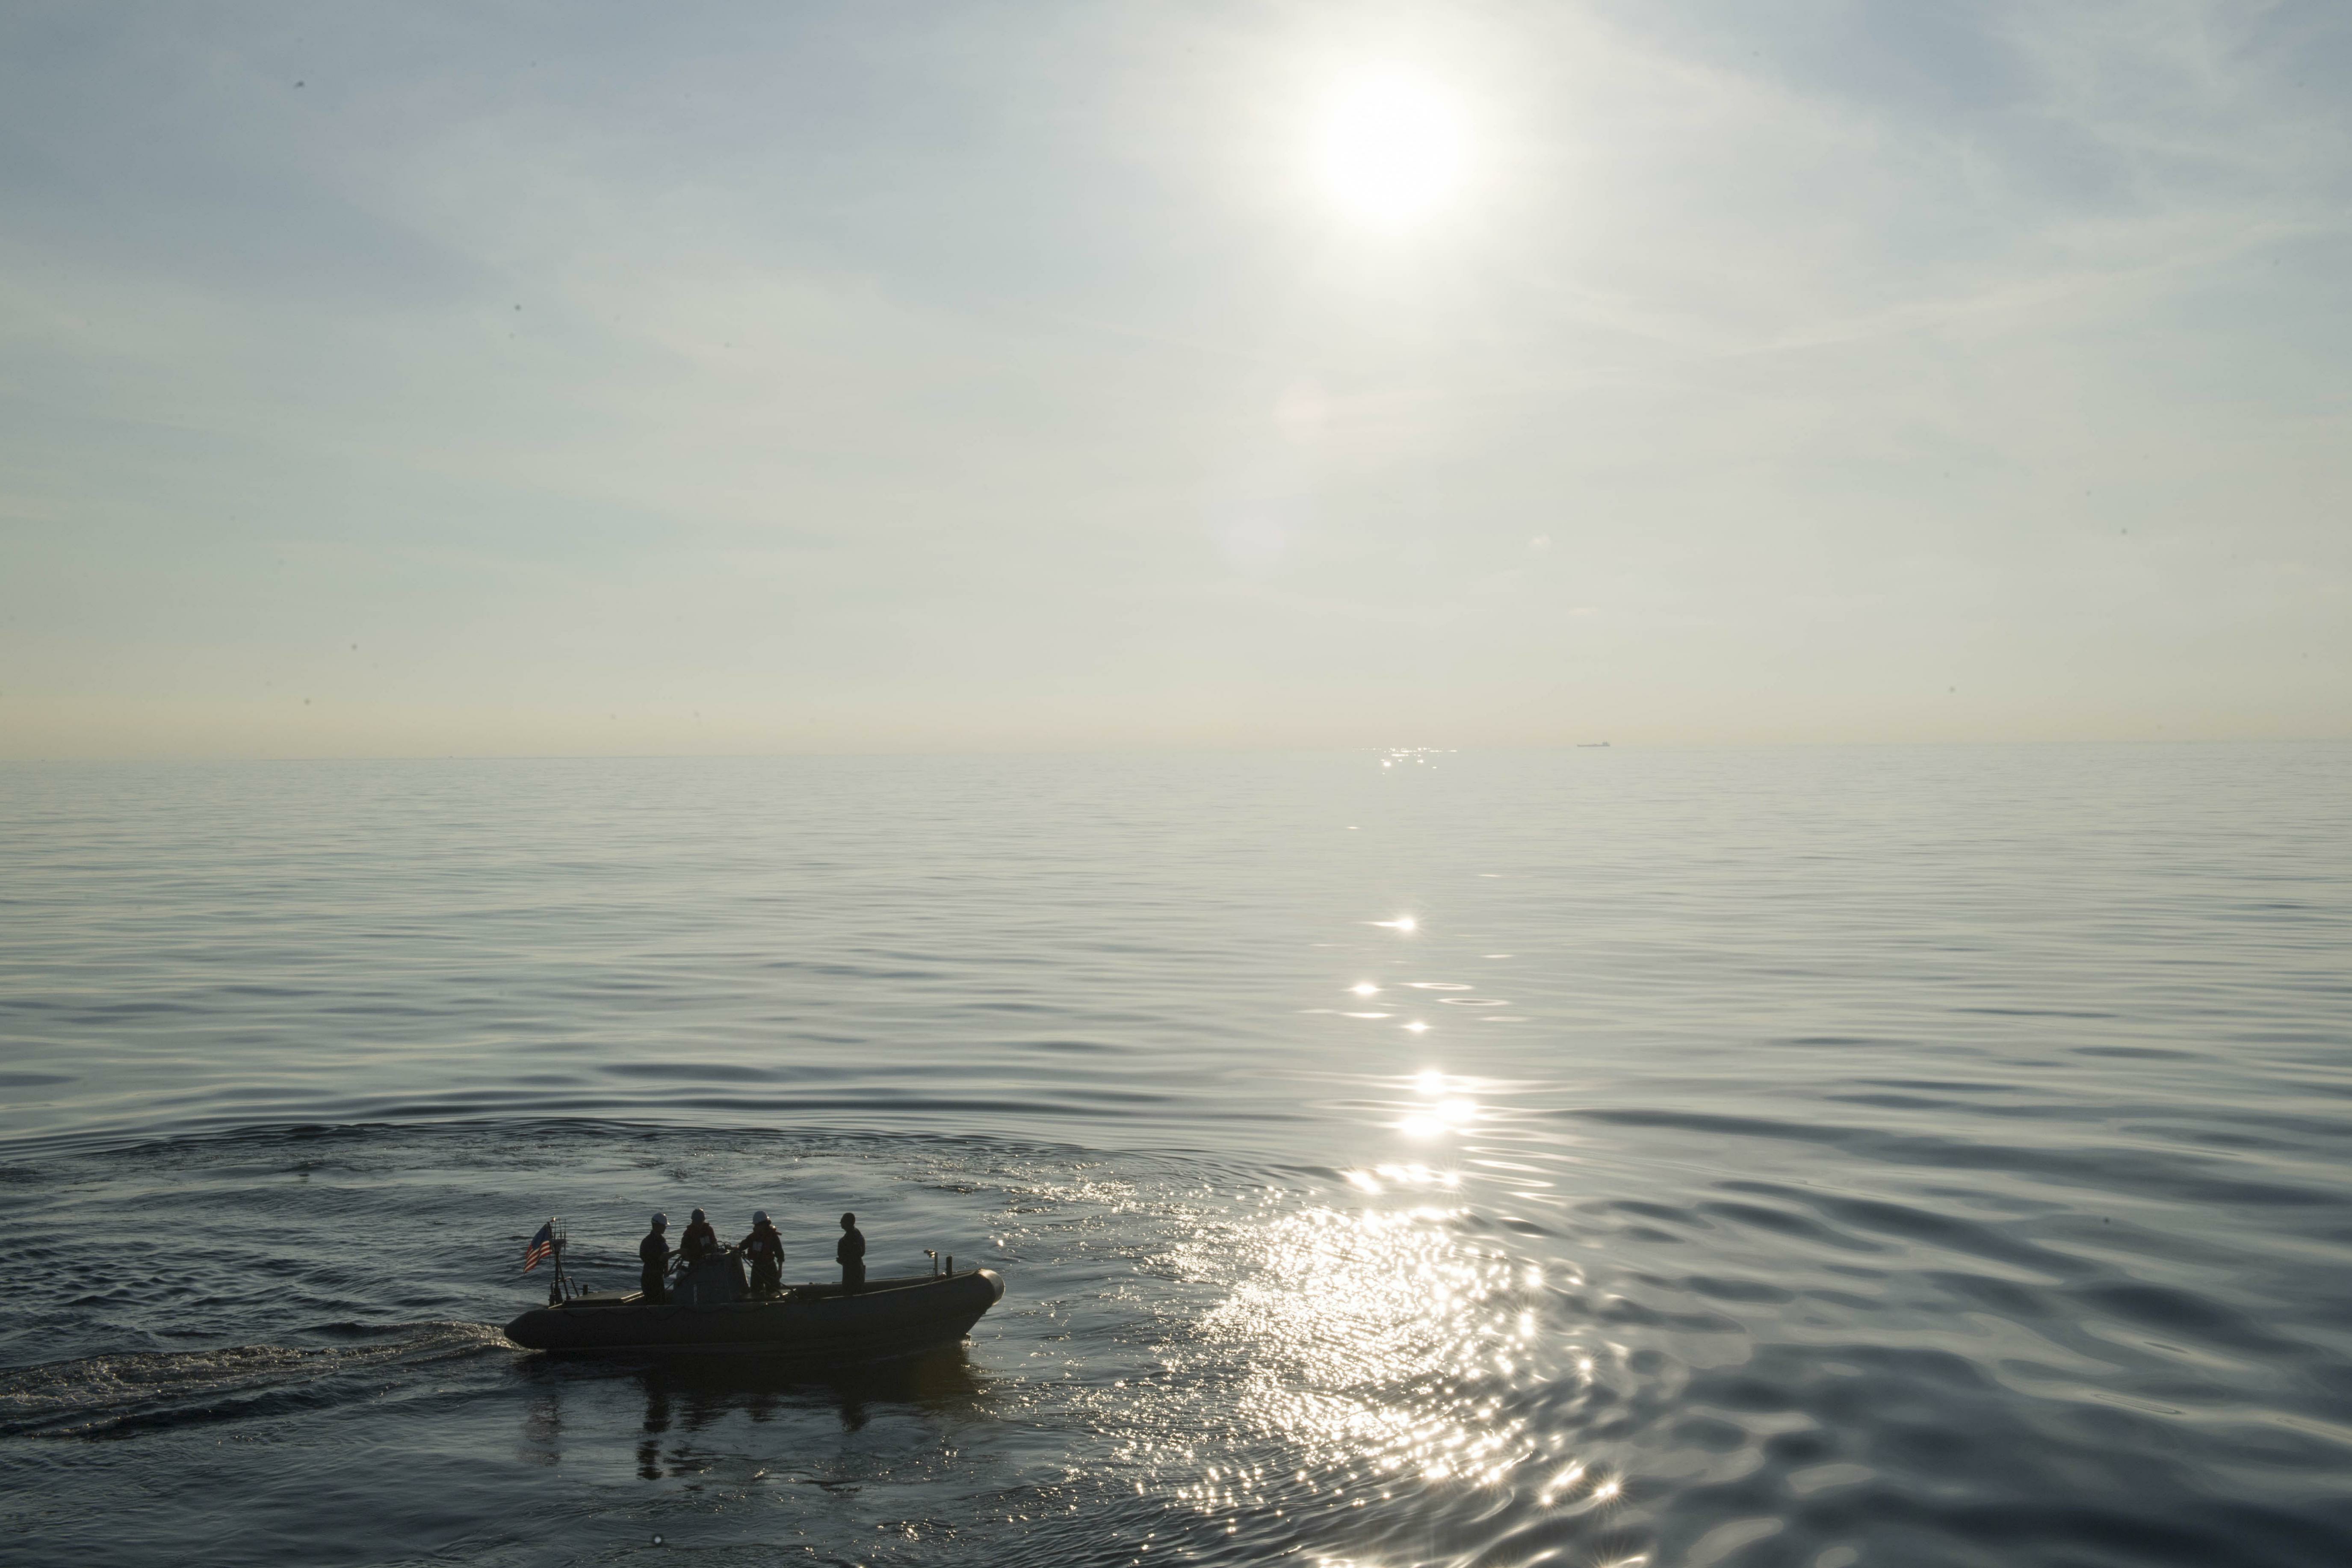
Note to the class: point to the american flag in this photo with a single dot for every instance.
(541, 1248)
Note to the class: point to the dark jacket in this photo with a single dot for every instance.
(851, 1247)
(698, 1242)
(763, 1245)
(653, 1252)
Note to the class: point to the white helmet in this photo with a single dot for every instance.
(661, 1222)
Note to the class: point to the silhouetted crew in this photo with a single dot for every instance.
(700, 1241)
(652, 1258)
(850, 1253)
(765, 1248)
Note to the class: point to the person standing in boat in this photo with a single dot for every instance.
(850, 1253)
(653, 1260)
(765, 1248)
(700, 1240)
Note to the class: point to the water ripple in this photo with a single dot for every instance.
(1903, 1155)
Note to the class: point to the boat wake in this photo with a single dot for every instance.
(123, 1395)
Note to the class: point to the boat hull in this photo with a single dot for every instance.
(812, 1323)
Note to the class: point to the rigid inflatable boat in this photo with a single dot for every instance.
(711, 1311)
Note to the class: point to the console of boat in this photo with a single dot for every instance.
(712, 1309)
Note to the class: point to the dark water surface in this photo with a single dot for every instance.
(1806, 1158)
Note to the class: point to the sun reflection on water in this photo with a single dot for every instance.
(1373, 1333)
(1443, 1112)
(1370, 1359)
(1372, 1354)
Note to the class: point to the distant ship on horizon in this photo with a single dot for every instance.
(1591, 745)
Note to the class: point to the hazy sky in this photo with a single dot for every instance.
(416, 379)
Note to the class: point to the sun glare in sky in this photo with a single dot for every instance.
(1391, 147)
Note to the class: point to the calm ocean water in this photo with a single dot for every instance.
(1901, 1156)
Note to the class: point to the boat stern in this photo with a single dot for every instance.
(535, 1329)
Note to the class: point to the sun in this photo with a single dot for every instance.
(1389, 148)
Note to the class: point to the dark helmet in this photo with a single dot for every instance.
(700, 1216)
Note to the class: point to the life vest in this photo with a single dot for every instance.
(764, 1244)
(699, 1241)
